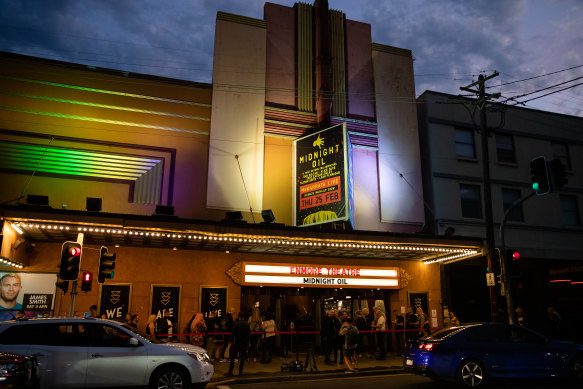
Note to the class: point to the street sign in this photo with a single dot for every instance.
(490, 279)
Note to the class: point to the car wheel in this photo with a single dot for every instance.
(471, 373)
(169, 378)
(577, 367)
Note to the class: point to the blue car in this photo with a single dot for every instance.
(475, 352)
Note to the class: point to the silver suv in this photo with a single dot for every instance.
(76, 352)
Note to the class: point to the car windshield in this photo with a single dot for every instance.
(141, 334)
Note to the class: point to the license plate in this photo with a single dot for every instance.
(409, 362)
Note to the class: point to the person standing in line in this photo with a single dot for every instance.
(269, 328)
(197, 330)
(338, 339)
(255, 326)
(360, 324)
(370, 339)
(520, 316)
(241, 333)
(380, 326)
(423, 322)
(151, 326)
(453, 320)
(350, 335)
(399, 326)
(165, 327)
(411, 324)
(328, 334)
(134, 321)
(227, 323)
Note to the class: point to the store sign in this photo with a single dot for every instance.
(322, 167)
(320, 276)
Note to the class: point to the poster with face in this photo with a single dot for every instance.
(28, 294)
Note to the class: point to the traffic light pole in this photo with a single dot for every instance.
(74, 286)
(504, 260)
(482, 99)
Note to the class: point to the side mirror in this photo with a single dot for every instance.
(134, 342)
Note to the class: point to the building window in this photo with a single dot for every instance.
(570, 211)
(561, 151)
(505, 148)
(509, 197)
(471, 201)
(464, 143)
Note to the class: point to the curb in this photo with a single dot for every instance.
(265, 377)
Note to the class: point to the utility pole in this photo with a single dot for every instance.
(483, 98)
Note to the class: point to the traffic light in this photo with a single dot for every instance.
(63, 285)
(70, 261)
(86, 281)
(539, 175)
(106, 266)
(513, 261)
(557, 174)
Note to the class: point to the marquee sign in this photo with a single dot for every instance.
(320, 276)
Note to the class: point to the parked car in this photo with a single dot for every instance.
(77, 352)
(18, 371)
(475, 352)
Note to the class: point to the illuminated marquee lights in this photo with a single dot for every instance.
(454, 252)
(9, 262)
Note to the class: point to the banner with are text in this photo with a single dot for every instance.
(320, 276)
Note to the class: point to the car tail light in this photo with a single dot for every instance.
(427, 346)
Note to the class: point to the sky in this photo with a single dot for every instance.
(536, 46)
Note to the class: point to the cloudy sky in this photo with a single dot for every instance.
(535, 45)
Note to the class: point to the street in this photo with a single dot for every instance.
(402, 381)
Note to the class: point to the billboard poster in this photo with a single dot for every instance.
(321, 182)
(165, 298)
(115, 300)
(213, 298)
(31, 293)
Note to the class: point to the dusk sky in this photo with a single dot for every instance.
(535, 45)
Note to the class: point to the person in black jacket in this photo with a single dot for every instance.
(328, 334)
(241, 334)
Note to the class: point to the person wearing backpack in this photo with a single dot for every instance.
(350, 333)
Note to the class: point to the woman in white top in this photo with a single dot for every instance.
(269, 328)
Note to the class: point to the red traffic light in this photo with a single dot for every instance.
(86, 281)
(75, 250)
(515, 255)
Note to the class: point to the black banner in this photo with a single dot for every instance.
(115, 301)
(419, 300)
(213, 299)
(166, 298)
(37, 302)
(321, 186)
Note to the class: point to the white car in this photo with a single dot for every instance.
(77, 352)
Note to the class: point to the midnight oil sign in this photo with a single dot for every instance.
(321, 167)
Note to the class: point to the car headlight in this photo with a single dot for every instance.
(200, 356)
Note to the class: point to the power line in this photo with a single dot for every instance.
(535, 77)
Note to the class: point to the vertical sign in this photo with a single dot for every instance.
(115, 300)
(213, 298)
(321, 182)
(419, 300)
(165, 298)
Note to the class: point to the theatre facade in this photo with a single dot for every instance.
(292, 182)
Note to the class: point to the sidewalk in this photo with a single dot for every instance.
(255, 372)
